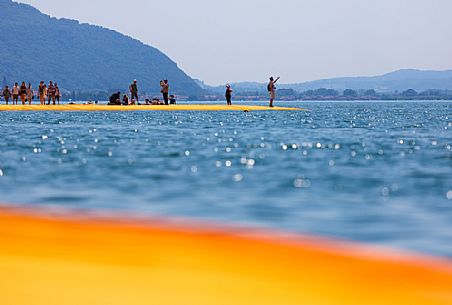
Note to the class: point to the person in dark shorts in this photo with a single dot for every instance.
(165, 90)
(57, 93)
(228, 94)
(115, 99)
(15, 92)
(6, 94)
(23, 93)
(51, 92)
(42, 97)
(172, 100)
(125, 100)
(134, 90)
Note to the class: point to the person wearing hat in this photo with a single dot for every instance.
(134, 90)
(228, 94)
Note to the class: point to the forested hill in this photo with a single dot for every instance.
(78, 56)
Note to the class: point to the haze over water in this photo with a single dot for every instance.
(378, 172)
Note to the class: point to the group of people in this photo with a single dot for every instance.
(52, 94)
(26, 94)
(115, 98)
(271, 88)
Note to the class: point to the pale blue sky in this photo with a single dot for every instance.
(240, 40)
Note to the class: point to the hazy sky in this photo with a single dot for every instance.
(239, 40)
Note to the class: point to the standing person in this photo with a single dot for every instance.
(23, 93)
(272, 89)
(6, 94)
(57, 93)
(228, 94)
(45, 93)
(165, 90)
(51, 93)
(134, 90)
(15, 92)
(30, 94)
(42, 98)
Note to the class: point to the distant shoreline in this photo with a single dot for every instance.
(287, 95)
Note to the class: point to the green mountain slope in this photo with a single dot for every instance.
(80, 56)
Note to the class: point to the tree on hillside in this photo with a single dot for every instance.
(370, 92)
(325, 92)
(434, 93)
(286, 92)
(349, 93)
(409, 93)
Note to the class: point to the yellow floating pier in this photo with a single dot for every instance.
(72, 261)
(179, 107)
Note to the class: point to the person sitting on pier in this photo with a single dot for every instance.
(156, 101)
(125, 100)
(172, 100)
(115, 99)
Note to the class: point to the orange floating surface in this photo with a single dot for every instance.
(88, 260)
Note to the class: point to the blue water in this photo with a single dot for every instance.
(378, 172)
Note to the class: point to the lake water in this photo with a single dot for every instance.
(378, 172)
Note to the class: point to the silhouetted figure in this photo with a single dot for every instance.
(6, 94)
(57, 93)
(51, 93)
(115, 99)
(23, 93)
(228, 94)
(42, 93)
(125, 100)
(172, 100)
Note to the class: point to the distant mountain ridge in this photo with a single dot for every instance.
(399, 80)
(38, 47)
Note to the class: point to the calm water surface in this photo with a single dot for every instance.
(379, 172)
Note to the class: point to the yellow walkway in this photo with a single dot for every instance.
(180, 107)
(67, 261)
